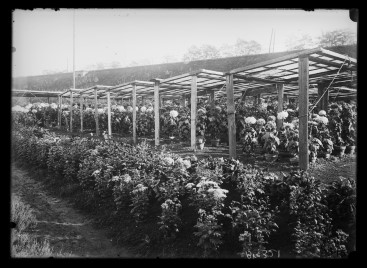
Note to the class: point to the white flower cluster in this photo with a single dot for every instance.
(261, 121)
(322, 113)
(173, 113)
(201, 111)
(100, 111)
(218, 108)
(64, 112)
(28, 106)
(129, 109)
(43, 105)
(282, 115)
(139, 188)
(64, 106)
(289, 125)
(88, 109)
(189, 185)
(183, 163)
(120, 108)
(250, 120)
(126, 178)
(218, 193)
(34, 111)
(143, 109)
(18, 108)
(150, 110)
(290, 110)
(96, 172)
(53, 106)
(322, 119)
(169, 161)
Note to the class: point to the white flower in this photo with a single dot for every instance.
(96, 172)
(64, 106)
(290, 110)
(29, 106)
(143, 109)
(100, 111)
(322, 119)
(169, 160)
(218, 193)
(250, 120)
(65, 112)
(201, 111)
(211, 119)
(129, 109)
(218, 108)
(290, 125)
(88, 109)
(260, 121)
(121, 108)
(34, 111)
(282, 115)
(187, 163)
(54, 106)
(139, 188)
(149, 110)
(16, 108)
(189, 185)
(173, 113)
(126, 178)
(322, 113)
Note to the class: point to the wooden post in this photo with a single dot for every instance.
(285, 99)
(303, 112)
(193, 110)
(156, 113)
(324, 102)
(231, 117)
(48, 100)
(81, 113)
(109, 114)
(280, 104)
(59, 112)
(134, 112)
(71, 111)
(96, 111)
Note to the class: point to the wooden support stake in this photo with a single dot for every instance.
(134, 112)
(156, 113)
(231, 117)
(324, 102)
(303, 112)
(71, 111)
(96, 111)
(280, 104)
(59, 112)
(81, 113)
(285, 99)
(109, 113)
(193, 110)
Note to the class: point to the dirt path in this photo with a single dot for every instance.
(65, 228)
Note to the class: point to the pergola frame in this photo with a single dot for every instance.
(287, 76)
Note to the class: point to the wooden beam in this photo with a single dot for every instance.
(303, 113)
(256, 79)
(280, 104)
(337, 55)
(330, 63)
(156, 113)
(71, 111)
(193, 110)
(257, 91)
(276, 60)
(96, 111)
(231, 117)
(109, 114)
(81, 113)
(134, 113)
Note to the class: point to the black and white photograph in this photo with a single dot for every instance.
(183, 133)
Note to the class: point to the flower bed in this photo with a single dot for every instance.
(211, 205)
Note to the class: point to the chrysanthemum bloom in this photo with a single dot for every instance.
(121, 108)
(201, 111)
(250, 120)
(218, 193)
(290, 110)
(143, 109)
(54, 106)
(282, 115)
(322, 119)
(28, 106)
(129, 109)
(34, 111)
(100, 111)
(288, 125)
(218, 108)
(173, 113)
(322, 113)
(149, 110)
(169, 161)
(260, 121)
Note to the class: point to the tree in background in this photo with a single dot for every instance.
(300, 41)
(337, 38)
(242, 47)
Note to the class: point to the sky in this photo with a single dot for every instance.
(43, 38)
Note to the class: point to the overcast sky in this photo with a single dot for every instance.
(44, 38)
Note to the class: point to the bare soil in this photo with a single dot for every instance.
(67, 230)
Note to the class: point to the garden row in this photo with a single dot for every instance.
(329, 131)
(216, 205)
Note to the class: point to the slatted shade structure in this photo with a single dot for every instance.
(303, 73)
(34, 93)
